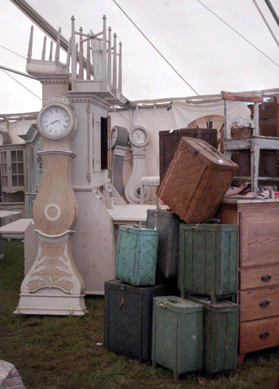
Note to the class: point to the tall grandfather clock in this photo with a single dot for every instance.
(53, 285)
(73, 227)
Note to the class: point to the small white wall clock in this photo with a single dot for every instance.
(138, 137)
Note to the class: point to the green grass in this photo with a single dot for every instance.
(52, 352)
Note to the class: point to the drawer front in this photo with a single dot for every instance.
(259, 335)
(256, 277)
(259, 303)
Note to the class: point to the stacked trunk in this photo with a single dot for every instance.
(128, 298)
(183, 332)
(193, 187)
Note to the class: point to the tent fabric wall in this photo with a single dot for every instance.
(210, 45)
(18, 127)
(160, 119)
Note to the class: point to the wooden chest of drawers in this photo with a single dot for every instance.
(258, 270)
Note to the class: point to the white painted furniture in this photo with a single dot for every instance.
(16, 229)
(6, 217)
(149, 181)
(138, 140)
(13, 172)
(91, 88)
(255, 143)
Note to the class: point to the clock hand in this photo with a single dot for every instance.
(54, 121)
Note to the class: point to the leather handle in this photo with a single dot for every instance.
(264, 335)
(264, 304)
(266, 278)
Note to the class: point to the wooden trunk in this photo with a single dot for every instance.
(167, 223)
(136, 258)
(196, 180)
(221, 322)
(208, 259)
(128, 318)
(177, 334)
(169, 141)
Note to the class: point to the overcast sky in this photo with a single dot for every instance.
(204, 46)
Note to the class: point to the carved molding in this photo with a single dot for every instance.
(57, 99)
(54, 267)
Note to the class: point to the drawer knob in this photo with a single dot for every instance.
(264, 304)
(264, 335)
(266, 278)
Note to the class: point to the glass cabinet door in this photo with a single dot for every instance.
(4, 169)
(12, 170)
(17, 166)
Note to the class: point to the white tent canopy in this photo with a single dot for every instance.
(171, 48)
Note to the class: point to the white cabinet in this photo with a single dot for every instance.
(13, 169)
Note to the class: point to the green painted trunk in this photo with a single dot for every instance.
(177, 334)
(221, 323)
(136, 258)
(208, 259)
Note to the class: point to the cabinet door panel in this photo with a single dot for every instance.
(259, 237)
(258, 335)
(259, 303)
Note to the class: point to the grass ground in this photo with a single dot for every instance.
(68, 353)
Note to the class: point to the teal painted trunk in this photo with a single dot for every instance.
(221, 323)
(208, 259)
(136, 258)
(177, 334)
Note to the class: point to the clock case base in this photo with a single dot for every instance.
(53, 270)
(54, 304)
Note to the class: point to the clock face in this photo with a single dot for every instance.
(113, 136)
(55, 121)
(138, 137)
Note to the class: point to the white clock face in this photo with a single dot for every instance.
(113, 136)
(55, 121)
(138, 137)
